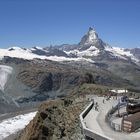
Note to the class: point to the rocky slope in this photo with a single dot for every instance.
(40, 80)
(59, 119)
(56, 120)
(33, 81)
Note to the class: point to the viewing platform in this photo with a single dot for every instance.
(95, 125)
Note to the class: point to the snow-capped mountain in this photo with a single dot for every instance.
(90, 48)
(91, 39)
(40, 53)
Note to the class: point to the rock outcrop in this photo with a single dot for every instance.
(59, 119)
(55, 120)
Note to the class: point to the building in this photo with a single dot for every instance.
(131, 123)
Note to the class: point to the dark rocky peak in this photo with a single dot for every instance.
(14, 48)
(91, 39)
(37, 48)
(17, 49)
(38, 51)
(11, 49)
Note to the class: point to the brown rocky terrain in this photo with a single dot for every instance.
(56, 120)
(34, 81)
(51, 76)
(59, 119)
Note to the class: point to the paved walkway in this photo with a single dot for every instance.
(96, 121)
(93, 125)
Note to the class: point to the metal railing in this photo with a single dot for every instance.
(115, 126)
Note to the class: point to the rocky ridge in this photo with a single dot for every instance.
(56, 120)
(59, 119)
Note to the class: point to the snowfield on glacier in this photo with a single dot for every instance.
(17, 52)
(5, 72)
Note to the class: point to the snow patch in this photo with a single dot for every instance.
(119, 90)
(121, 53)
(92, 35)
(60, 59)
(92, 51)
(13, 125)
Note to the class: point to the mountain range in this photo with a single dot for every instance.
(90, 48)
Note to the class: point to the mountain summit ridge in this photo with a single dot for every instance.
(90, 48)
(92, 35)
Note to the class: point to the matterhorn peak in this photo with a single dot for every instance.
(90, 38)
(92, 35)
(91, 29)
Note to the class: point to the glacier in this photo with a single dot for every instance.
(5, 72)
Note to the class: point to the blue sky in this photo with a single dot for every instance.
(27, 23)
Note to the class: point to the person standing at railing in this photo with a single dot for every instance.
(96, 106)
